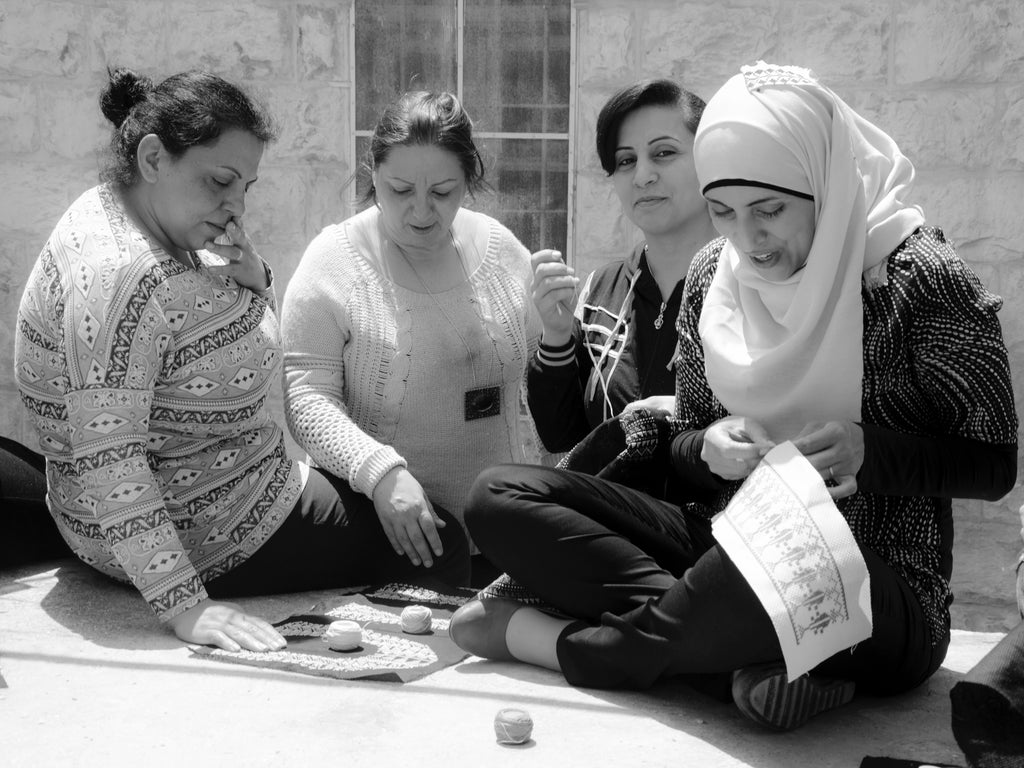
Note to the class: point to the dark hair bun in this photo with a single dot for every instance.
(124, 91)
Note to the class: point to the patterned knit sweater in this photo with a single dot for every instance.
(376, 374)
(147, 382)
(937, 410)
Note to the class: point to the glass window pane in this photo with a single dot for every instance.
(362, 168)
(516, 71)
(529, 181)
(403, 45)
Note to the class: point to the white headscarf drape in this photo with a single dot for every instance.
(789, 353)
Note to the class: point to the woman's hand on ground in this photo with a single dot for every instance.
(665, 404)
(226, 626)
(407, 517)
(836, 450)
(553, 293)
(243, 264)
(733, 446)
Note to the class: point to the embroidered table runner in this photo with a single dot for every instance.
(795, 549)
(386, 653)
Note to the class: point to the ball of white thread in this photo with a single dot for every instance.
(416, 619)
(343, 635)
(513, 726)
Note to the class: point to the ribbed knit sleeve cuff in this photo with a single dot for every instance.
(557, 356)
(180, 607)
(372, 471)
(268, 294)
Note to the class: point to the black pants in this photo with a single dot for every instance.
(29, 534)
(655, 595)
(333, 538)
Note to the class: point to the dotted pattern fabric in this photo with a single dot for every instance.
(934, 364)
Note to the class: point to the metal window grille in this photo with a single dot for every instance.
(511, 64)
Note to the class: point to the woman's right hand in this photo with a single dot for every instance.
(554, 292)
(407, 517)
(734, 446)
(226, 626)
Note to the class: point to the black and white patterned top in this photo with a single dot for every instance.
(937, 408)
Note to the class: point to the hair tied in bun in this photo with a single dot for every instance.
(125, 90)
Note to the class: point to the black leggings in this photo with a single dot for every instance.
(333, 538)
(29, 534)
(654, 594)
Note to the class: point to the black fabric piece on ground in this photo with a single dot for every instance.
(988, 706)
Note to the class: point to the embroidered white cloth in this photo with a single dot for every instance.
(795, 549)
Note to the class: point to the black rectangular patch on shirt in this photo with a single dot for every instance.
(482, 402)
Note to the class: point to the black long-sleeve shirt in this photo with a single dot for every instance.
(937, 411)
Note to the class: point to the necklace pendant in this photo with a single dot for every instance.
(660, 319)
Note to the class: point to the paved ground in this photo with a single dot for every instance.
(93, 680)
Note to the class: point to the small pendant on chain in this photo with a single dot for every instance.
(660, 319)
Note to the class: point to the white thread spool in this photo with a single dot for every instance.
(343, 635)
(416, 619)
(513, 726)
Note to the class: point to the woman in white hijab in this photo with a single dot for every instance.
(830, 315)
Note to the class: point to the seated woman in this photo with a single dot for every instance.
(407, 328)
(619, 347)
(147, 346)
(830, 315)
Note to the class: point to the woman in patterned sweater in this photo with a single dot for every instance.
(828, 315)
(147, 346)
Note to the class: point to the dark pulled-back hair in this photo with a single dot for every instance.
(646, 93)
(185, 110)
(420, 118)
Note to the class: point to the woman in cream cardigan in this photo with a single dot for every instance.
(407, 329)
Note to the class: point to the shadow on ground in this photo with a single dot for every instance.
(911, 726)
(114, 618)
(103, 611)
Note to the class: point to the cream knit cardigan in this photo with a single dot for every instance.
(342, 331)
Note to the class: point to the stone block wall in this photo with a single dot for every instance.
(292, 55)
(945, 78)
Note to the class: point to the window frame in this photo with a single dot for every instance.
(569, 136)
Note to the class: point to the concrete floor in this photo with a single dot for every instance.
(93, 680)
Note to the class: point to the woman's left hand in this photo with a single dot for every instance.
(665, 404)
(244, 265)
(836, 450)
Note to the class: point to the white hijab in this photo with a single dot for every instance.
(790, 353)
